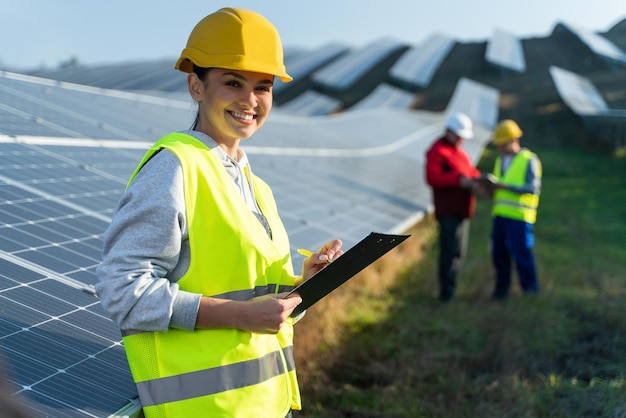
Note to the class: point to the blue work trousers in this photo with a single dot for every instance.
(513, 240)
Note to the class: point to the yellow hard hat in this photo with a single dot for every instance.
(236, 39)
(506, 131)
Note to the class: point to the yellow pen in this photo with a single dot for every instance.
(308, 253)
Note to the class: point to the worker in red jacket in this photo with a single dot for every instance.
(451, 174)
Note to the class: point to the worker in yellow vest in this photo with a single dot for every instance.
(517, 173)
(196, 261)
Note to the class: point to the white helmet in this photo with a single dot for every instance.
(460, 124)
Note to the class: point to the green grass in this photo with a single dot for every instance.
(561, 353)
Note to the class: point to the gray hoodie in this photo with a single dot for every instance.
(146, 246)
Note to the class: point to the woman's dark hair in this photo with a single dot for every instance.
(201, 72)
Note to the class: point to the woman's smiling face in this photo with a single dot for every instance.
(233, 104)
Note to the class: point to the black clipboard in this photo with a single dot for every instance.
(364, 253)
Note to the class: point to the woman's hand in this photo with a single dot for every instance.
(267, 314)
(318, 260)
(264, 314)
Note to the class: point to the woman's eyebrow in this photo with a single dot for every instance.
(241, 77)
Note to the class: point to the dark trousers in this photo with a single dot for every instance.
(453, 235)
(513, 240)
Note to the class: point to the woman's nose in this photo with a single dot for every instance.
(249, 98)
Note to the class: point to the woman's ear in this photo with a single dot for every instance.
(196, 87)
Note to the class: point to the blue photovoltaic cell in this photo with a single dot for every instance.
(7, 328)
(24, 370)
(45, 304)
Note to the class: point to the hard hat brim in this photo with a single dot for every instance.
(465, 134)
(185, 64)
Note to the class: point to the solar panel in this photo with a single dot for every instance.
(477, 100)
(506, 51)
(417, 66)
(385, 95)
(302, 63)
(578, 92)
(311, 103)
(350, 67)
(582, 97)
(598, 43)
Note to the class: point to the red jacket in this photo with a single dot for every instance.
(445, 164)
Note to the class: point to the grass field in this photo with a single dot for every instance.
(384, 346)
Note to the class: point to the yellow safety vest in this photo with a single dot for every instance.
(522, 207)
(220, 372)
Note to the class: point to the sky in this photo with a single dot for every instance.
(44, 33)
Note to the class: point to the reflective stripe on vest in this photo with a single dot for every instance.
(511, 205)
(220, 372)
(221, 379)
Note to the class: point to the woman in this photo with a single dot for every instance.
(196, 259)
